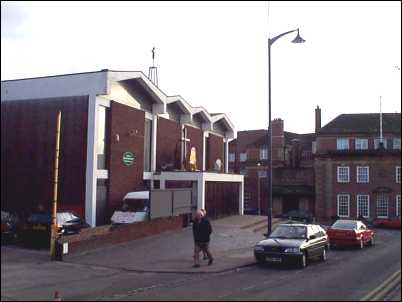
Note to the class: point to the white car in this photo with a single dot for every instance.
(135, 208)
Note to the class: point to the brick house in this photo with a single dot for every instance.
(105, 115)
(356, 175)
(293, 174)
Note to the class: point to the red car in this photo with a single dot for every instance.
(392, 223)
(350, 233)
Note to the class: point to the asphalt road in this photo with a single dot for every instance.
(349, 274)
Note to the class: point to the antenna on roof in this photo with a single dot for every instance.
(153, 70)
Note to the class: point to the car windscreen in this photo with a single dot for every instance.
(345, 225)
(135, 205)
(66, 217)
(289, 232)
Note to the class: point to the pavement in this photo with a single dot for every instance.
(231, 245)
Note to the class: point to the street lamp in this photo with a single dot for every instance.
(271, 41)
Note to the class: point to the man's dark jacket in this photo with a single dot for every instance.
(202, 230)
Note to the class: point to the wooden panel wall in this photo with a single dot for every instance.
(27, 153)
(221, 199)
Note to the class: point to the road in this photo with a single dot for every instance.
(349, 274)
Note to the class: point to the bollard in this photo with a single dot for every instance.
(57, 296)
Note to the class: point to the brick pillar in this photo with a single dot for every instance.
(278, 140)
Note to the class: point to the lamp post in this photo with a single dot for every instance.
(271, 41)
(258, 188)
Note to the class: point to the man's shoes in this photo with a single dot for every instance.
(196, 266)
(210, 261)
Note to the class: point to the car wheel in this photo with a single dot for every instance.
(260, 261)
(371, 242)
(361, 245)
(323, 257)
(303, 261)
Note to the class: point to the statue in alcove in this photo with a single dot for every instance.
(193, 159)
(218, 165)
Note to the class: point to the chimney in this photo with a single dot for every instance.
(295, 154)
(317, 119)
(277, 127)
(278, 140)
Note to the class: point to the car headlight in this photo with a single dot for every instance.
(292, 250)
(259, 248)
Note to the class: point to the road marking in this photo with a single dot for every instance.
(225, 296)
(381, 291)
(249, 287)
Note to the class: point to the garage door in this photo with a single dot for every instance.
(221, 199)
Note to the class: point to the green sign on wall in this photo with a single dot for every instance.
(128, 158)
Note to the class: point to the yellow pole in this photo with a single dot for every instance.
(53, 235)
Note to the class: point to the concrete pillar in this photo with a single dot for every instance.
(91, 165)
(226, 155)
(153, 142)
(162, 184)
(200, 193)
(204, 150)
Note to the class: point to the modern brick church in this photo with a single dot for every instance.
(119, 133)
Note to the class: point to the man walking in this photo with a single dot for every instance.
(202, 232)
(204, 216)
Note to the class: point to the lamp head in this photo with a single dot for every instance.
(298, 39)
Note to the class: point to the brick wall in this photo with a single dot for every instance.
(381, 175)
(93, 238)
(128, 123)
(292, 176)
(278, 140)
(251, 186)
(168, 144)
(253, 154)
(327, 143)
(277, 206)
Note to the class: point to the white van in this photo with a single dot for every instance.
(135, 208)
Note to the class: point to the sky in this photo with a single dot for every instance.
(214, 54)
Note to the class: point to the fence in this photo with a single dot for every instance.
(170, 202)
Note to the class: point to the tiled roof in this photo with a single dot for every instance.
(289, 136)
(368, 123)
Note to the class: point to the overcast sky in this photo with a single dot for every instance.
(214, 54)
